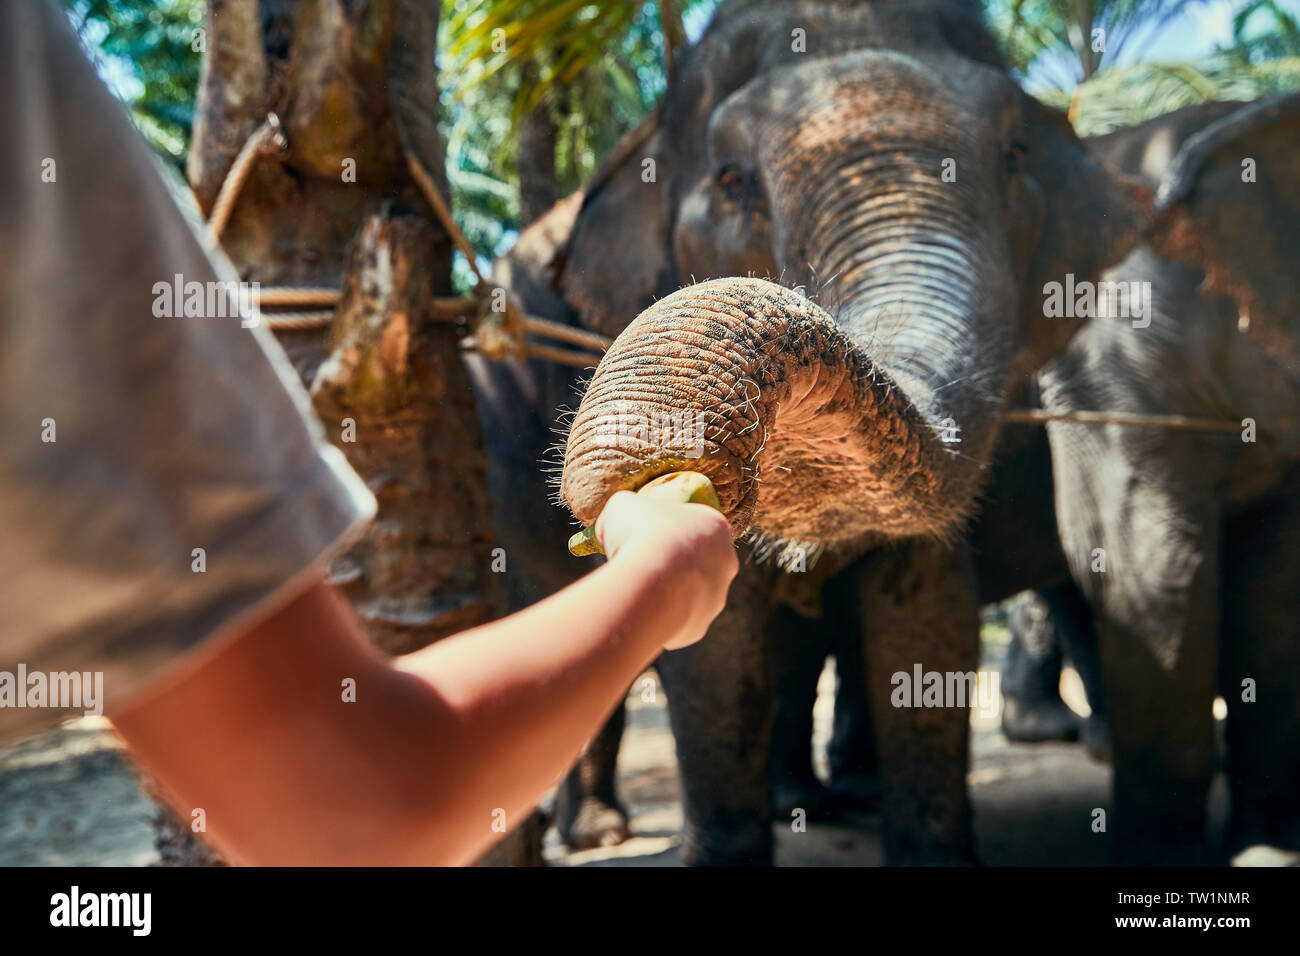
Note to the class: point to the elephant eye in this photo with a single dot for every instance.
(731, 180)
(1015, 153)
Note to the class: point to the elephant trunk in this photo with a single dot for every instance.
(821, 431)
(802, 433)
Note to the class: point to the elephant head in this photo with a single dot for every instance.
(1229, 203)
(878, 156)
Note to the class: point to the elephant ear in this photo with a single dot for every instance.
(617, 261)
(1092, 216)
(1230, 205)
(531, 268)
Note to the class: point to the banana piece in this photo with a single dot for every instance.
(584, 543)
(686, 487)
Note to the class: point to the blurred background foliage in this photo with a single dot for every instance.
(1050, 46)
(1061, 37)
(1136, 92)
(148, 51)
(535, 92)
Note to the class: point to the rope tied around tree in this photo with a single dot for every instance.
(499, 333)
(267, 140)
(498, 325)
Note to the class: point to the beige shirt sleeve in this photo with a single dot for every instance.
(162, 478)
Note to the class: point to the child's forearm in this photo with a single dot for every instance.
(434, 748)
(526, 693)
(301, 744)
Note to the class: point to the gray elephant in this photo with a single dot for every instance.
(521, 405)
(878, 156)
(1047, 627)
(1174, 506)
(1014, 544)
(935, 333)
(1182, 541)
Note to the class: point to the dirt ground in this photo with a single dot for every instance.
(1033, 803)
(68, 797)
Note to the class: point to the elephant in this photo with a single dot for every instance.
(1015, 545)
(1046, 627)
(521, 406)
(911, 200)
(766, 159)
(1179, 539)
(1206, 368)
(800, 648)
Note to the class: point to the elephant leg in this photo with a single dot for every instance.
(854, 763)
(1261, 660)
(799, 649)
(1140, 527)
(1157, 621)
(720, 707)
(1163, 746)
(587, 809)
(1031, 678)
(918, 601)
(1078, 634)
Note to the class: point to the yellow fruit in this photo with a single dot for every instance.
(584, 543)
(687, 487)
(684, 486)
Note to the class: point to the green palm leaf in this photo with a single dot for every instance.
(1142, 91)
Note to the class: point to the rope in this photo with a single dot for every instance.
(295, 321)
(430, 190)
(508, 337)
(560, 356)
(496, 340)
(285, 295)
(1037, 416)
(266, 139)
(453, 310)
(444, 310)
(567, 333)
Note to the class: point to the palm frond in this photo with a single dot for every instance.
(559, 39)
(488, 36)
(1131, 94)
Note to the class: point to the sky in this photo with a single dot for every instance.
(1197, 32)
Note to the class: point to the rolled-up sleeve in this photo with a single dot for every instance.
(163, 480)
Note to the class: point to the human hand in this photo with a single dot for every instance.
(688, 544)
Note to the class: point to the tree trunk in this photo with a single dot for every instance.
(354, 84)
(539, 188)
(395, 397)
